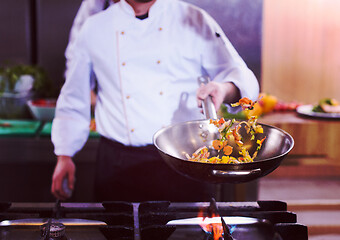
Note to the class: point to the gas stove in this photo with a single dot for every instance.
(147, 220)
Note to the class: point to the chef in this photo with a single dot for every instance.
(146, 56)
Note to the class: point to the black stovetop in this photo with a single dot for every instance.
(143, 221)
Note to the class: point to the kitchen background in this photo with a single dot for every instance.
(292, 46)
(36, 32)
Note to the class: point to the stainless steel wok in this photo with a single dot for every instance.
(177, 140)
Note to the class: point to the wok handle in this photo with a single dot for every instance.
(208, 105)
(242, 173)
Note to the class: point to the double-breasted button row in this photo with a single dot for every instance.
(129, 97)
(124, 63)
(159, 29)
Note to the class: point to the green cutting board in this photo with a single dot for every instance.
(46, 131)
(13, 128)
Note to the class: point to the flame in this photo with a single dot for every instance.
(215, 228)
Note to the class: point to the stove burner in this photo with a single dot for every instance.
(52, 231)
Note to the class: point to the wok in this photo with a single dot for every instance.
(175, 141)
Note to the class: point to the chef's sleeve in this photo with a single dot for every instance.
(223, 64)
(70, 127)
(86, 9)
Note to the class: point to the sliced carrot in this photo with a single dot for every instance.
(217, 144)
(245, 100)
(221, 121)
(227, 150)
(259, 142)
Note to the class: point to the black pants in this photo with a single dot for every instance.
(139, 174)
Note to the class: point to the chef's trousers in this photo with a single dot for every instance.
(136, 174)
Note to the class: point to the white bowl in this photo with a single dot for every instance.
(42, 109)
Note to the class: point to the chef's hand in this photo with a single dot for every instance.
(65, 168)
(219, 92)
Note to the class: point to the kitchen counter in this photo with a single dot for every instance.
(29, 128)
(316, 150)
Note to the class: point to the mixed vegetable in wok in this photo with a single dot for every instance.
(229, 132)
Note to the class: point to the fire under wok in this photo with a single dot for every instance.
(175, 141)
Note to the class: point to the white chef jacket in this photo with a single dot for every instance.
(147, 73)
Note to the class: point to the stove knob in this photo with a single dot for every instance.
(57, 230)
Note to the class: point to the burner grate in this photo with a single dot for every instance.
(148, 220)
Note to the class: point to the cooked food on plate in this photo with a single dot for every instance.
(327, 105)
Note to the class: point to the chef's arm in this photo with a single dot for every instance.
(70, 127)
(231, 78)
(64, 169)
